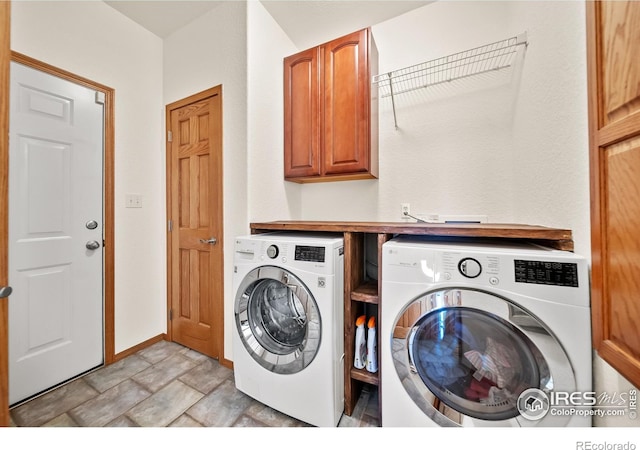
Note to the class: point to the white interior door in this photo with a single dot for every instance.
(55, 192)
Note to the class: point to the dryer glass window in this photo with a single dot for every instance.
(465, 355)
(473, 361)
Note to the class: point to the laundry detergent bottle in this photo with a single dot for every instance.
(360, 358)
(372, 354)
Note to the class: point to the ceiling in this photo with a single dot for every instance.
(306, 22)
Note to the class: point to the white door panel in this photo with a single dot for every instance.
(55, 188)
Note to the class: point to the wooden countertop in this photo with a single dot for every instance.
(560, 239)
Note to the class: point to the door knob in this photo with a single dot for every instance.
(211, 241)
(93, 245)
(5, 291)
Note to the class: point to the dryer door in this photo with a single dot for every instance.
(277, 319)
(469, 355)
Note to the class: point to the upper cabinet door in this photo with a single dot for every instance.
(346, 104)
(330, 114)
(302, 87)
(613, 46)
(620, 46)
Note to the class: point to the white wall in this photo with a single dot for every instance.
(81, 37)
(551, 136)
(270, 198)
(210, 51)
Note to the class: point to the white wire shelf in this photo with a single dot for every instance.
(490, 57)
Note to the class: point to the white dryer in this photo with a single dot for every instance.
(288, 331)
(484, 334)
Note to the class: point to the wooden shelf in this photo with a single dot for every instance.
(367, 293)
(364, 375)
(560, 239)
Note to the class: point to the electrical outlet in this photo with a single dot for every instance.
(405, 210)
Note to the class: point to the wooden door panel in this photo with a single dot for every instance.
(194, 193)
(195, 202)
(193, 315)
(613, 45)
(346, 104)
(623, 246)
(620, 47)
(302, 114)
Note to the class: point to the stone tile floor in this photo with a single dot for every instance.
(165, 385)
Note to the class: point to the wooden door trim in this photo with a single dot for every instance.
(108, 190)
(5, 57)
(593, 82)
(218, 321)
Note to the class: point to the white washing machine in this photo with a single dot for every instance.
(288, 332)
(484, 334)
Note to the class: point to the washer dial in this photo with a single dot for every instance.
(273, 251)
(469, 267)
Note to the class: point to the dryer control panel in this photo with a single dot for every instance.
(546, 272)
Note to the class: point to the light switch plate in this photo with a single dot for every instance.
(133, 201)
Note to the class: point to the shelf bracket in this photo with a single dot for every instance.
(393, 103)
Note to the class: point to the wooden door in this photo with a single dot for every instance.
(302, 138)
(347, 82)
(5, 56)
(194, 197)
(613, 31)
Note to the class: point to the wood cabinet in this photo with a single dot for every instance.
(362, 290)
(330, 111)
(613, 45)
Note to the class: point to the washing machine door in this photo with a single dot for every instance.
(277, 319)
(468, 355)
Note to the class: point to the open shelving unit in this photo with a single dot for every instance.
(486, 58)
(362, 296)
(362, 291)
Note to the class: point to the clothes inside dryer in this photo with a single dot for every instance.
(476, 363)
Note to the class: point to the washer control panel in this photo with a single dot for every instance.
(310, 253)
